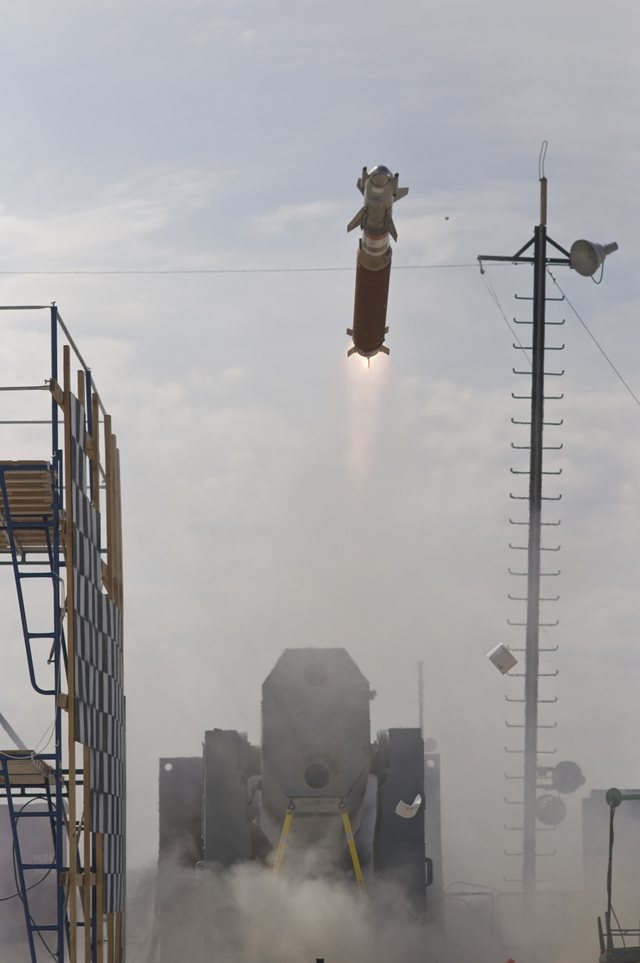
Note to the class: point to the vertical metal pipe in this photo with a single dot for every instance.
(54, 377)
(533, 579)
(58, 660)
(71, 663)
(58, 666)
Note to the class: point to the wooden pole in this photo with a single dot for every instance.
(86, 779)
(68, 538)
(118, 521)
(95, 441)
(119, 955)
(111, 936)
(81, 389)
(99, 838)
(108, 470)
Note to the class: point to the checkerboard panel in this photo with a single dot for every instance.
(100, 704)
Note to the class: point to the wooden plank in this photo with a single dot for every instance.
(37, 486)
(37, 490)
(111, 937)
(72, 824)
(81, 389)
(95, 449)
(86, 822)
(99, 838)
(25, 770)
(114, 527)
(119, 955)
(110, 584)
(30, 509)
(118, 522)
(57, 392)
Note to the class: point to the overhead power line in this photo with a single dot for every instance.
(311, 270)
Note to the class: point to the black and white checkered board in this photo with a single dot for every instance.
(100, 708)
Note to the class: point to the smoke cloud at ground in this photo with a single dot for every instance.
(245, 914)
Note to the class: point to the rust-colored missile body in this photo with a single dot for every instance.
(373, 263)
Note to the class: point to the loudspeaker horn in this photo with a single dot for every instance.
(586, 257)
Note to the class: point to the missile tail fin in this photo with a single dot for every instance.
(392, 229)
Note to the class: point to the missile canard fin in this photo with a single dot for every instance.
(357, 221)
(363, 180)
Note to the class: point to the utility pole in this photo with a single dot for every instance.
(585, 258)
(533, 554)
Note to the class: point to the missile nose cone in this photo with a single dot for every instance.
(380, 176)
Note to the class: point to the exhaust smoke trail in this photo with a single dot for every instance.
(367, 385)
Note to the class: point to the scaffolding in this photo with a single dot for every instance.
(52, 530)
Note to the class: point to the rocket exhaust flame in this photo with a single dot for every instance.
(373, 263)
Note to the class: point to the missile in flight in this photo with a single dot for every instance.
(373, 264)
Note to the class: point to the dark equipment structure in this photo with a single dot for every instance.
(609, 952)
(316, 780)
(585, 258)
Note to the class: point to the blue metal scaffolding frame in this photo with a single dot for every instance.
(36, 513)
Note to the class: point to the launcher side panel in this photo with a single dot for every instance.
(399, 846)
(227, 838)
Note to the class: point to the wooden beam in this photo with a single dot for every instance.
(99, 838)
(110, 583)
(111, 938)
(95, 449)
(81, 389)
(118, 522)
(57, 392)
(119, 955)
(86, 822)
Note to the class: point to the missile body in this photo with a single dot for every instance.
(373, 264)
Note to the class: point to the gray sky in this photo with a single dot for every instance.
(275, 494)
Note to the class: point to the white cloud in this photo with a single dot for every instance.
(284, 218)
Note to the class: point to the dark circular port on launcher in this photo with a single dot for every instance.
(315, 674)
(316, 776)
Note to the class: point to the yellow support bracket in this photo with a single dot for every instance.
(283, 842)
(353, 851)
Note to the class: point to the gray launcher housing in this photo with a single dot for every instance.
(316, 754)
(316, 749)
